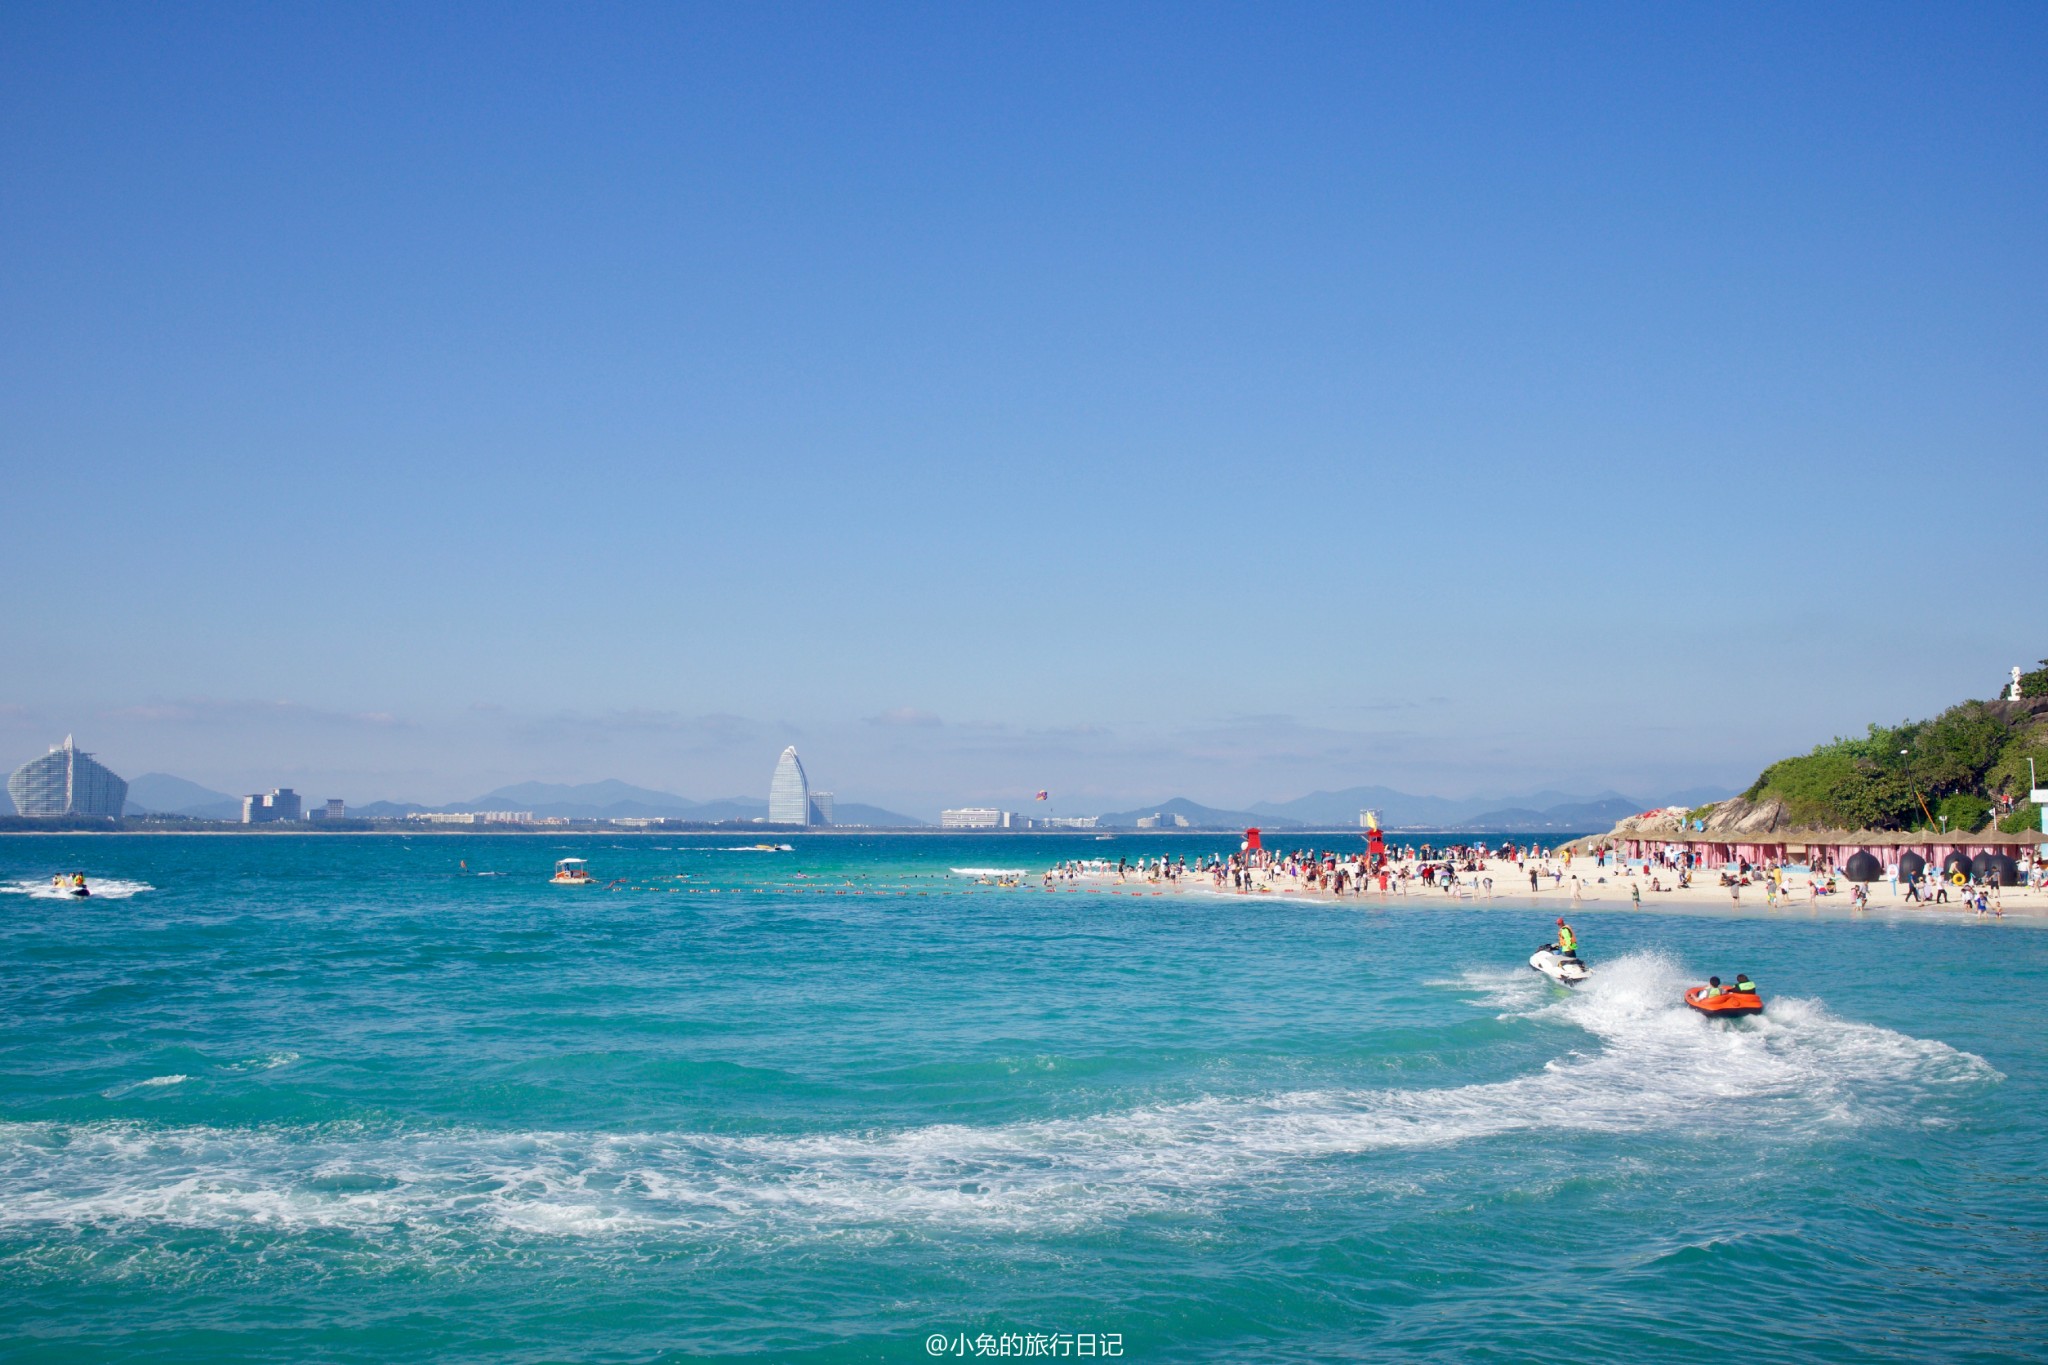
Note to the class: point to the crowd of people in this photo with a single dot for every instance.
(1480, 870)
(1466, 868)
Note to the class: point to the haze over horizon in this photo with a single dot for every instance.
(1227, 403)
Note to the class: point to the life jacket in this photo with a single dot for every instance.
(1567, 940)
(1744, 986)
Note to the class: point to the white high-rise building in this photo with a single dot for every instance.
(66, 781)
(280, 804)
(789, 792)
(979, 817)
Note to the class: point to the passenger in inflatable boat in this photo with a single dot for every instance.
(1743, 985)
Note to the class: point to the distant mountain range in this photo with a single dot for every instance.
(610, 800)
(1193, 816)
(161, 793)
(1540, 811)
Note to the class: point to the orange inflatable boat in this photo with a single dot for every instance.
(1728, 1005)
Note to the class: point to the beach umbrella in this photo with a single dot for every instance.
(1861, 867)
(1954, 863)
(1911, 865)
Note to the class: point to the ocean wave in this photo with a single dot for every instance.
(989, 872)
(110, 888)
(1647, 1065)
(154, 1081)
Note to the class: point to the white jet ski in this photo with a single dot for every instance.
(1565, 971)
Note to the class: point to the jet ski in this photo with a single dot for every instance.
(1727, 1005)
(1565, 971)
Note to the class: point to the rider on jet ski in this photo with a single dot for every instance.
(1567, 940)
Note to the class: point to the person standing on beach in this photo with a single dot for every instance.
(1532, 880)
(1635, 895)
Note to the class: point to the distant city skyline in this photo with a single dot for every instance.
(722, 758)
(1135, 403)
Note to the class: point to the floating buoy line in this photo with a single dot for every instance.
(820, 887)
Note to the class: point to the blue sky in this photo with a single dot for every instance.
(1128, 400)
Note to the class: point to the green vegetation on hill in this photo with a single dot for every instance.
(1956, 766)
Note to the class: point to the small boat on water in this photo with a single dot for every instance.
(572, 872)
(1727, 1005)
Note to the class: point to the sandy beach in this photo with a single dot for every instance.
(1562, 889)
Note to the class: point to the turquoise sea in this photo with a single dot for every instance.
(337, 1098)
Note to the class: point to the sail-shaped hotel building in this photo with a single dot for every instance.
(789, 793)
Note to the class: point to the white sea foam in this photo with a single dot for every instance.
(1509, 990)
(1642, 1064)
(110, 889)
(154, 1081)
(989, 872)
